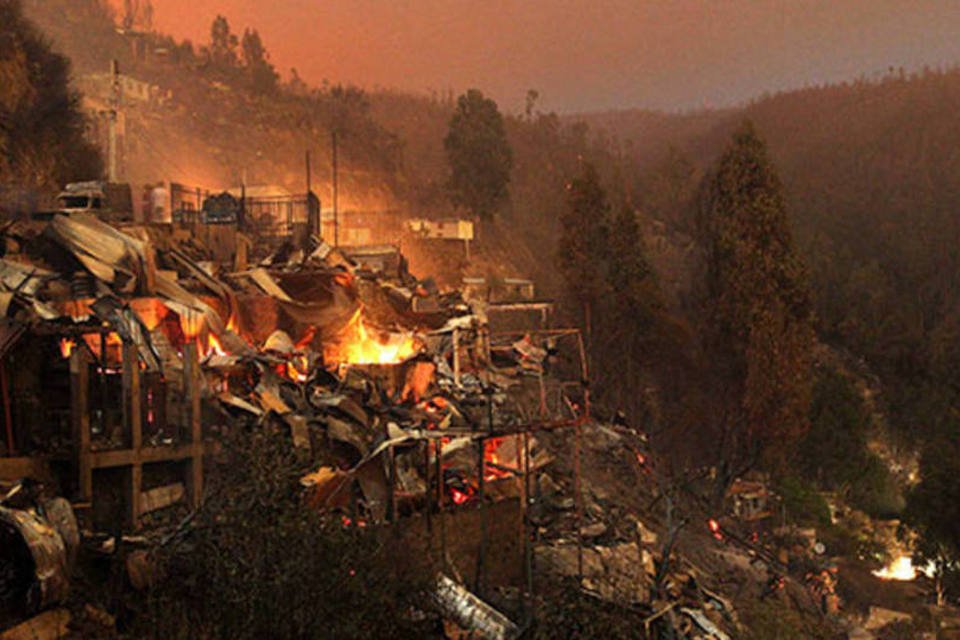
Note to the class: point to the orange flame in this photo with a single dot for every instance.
(297, 368)
(459, 497)
(356, 345)
(490, 448)
(113, 344)
(66, 347)
(715, 530)
(213, 346)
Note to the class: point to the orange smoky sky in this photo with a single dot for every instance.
(587, 54)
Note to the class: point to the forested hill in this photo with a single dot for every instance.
(872, 173)
(871, 169)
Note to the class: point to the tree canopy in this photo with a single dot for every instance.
(41, 127)
(933, 506)
(256, 62)
(758, 321)
(479, 156)
(223, 44)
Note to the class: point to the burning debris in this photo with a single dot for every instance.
(400, 392)
(410, 408)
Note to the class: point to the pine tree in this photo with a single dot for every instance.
(223, 44)
(758, 319)
(583, 245)
(631, 312)
(630, 276)
(480, 157)
(256, 62)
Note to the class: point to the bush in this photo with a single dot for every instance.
(256, 563)
(802, 502)
(570, 614)
(769, 620)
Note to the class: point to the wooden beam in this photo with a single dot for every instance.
(135, 496)
(49, 625)
(24, 467)
(149, 455)
(192, 382)
(80, 418)
(133, 427)
(162, 497)
(132, 400)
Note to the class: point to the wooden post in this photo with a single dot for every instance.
(526, 529)
(7, 417)
(441, 486)
(456, 357)
(132, 422)
(191, 383)
(80, 418)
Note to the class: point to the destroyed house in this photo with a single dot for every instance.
(136, 349)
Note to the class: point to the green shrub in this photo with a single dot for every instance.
(803, 504)
(257, 563)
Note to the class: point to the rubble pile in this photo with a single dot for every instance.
(402, 396)
(399, 391)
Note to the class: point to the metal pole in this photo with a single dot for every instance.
(392, 470)
(443, 519)
(482, 551)
(103, 381)
(7, 419)
(456, 356)
(112, 123)
(527, 546)
(429, 494)
(336, 211)
(308, 171)
(578, 499)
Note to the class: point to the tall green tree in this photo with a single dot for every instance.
(261, 75)
(223, 44)
(758, 318)
(583, 244)
(479, 156)
(630, 275)
(631, 312)
(42, 140)
(933, 508)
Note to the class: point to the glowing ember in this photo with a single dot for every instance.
(349, 522)
(490, 455)
(458, 497)
(66, 347)
(357, 345)
(901, 568)
(297, 368)
(715, 529)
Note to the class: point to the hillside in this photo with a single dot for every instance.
(870, 168)
(625, 219)
(872, 173)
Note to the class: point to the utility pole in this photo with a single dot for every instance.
(336, 213)
(308, 170)
(314, 226)
(112, 122)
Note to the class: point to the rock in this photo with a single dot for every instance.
(562, 559)
(594, 530)
(547, 485)
(601, 438)
(880, 617)
(646, 535)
